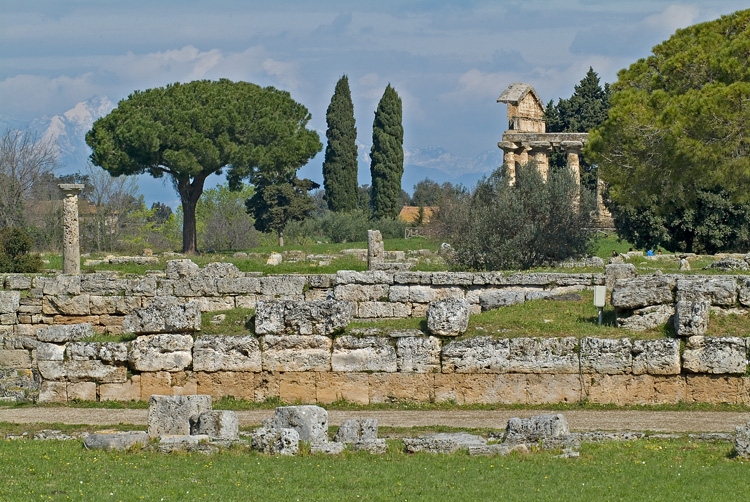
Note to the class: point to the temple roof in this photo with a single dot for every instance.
(515, 93)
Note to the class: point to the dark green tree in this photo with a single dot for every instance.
(340, 164)
(677, 132)
(387, 156)
(190, 131)
(15, 255)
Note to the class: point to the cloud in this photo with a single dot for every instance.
(476, 85)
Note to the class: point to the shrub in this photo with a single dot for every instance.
(15, 245)
(343, 227)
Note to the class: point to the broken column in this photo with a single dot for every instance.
(71, 247)
(509, 159)
(375, 250)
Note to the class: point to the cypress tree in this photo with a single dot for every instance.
(340, 164)
(387, 155)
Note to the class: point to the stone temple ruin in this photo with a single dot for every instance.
(527, 140)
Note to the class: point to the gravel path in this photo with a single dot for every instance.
(579, 420)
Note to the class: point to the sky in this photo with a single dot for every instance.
(448, 60)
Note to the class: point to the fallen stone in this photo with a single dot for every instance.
(355, 430)
(495, 299)
(188, 443)
(498, 449)
(443, 442)
(373, 446)
(533, 429)
(310, 422)
(272, 441)
(221, 424)
(170, 415)
(328, 448)
(449, 317)
(115, 440)
(691, 317)
(645, 318)
(643, 291)
(742, 440)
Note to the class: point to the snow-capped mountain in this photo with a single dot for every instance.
(441, 166)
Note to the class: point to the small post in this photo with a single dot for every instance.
(71, 245)
(600, 298)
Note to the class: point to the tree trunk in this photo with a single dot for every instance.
(189, 195)
(281, 238)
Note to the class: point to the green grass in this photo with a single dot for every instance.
(238, 321)
(637, 470)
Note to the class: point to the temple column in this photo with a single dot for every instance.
(509, 159)
(541, 151)
(522, 155)
(71, 245)
(572, 152)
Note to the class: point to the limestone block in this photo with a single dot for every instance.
(125, 391)
(443, 442)
(742, 440)
(297, 387)
(65, 333)
(691, 317)
(368, 353)
(615, 271)
(427, 294)
(180, 269)
(360, 292)
(220, 270)
(227, 353)
(476, 355)
(744, 293)
(543, 355)
(719, 291)
(296, 353)
(156, 383)
(372, 446)
(656, 357)
(448, 317)
(240, 385)
(334, 386)
(59, 285)
(164, 315)
(533, 429)
(110, 352)
(50, 352)
(83, 391)
(398, 293)
(238, 285)
(716, 355)
(170, 415)
(113, 304)
(16, 359)
(368, 277)
(643, 291)
(102, 284)
(164, 352)
(401, 387)
(10, 301)
(115, 440)
(143, 286)
(453, 278)
(246, 302)
(304, 318)
(76, 371)
(500, 298)
(328, 448)
(66, 305)
(646, 318)
(418, 354)
(379, 310)
(213, 304)
(412, 278)
(53, 392)
(606, 355)
(285, 287)
(221, 424)
(715, 389)
(196, 286)
(310, 422)
(17, 282)
(276, 441)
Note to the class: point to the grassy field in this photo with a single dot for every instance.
(633, 471)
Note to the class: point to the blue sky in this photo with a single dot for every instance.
(447, 60)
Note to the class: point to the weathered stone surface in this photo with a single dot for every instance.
(730, 263)
(615, 271)
(115, 440)
(380, 310)
(53, 392)
(742, 440)
(355, 430)
(328, 448)
(691, 317)
(502, 449)
(716, 355)
(65, 333)
(367, 353)
(50, 352)
(76, 371)
(170, 415)
(103, 284)
(59, 284)
(296, 353)
(428, 294)
(443, 442)
(360, 292)
(274, 441)
(283, 287)
(227, 353)
(532, 429)
(222, 424)
(375, 249)
(646, 318)
(501, 298)
(238, 285)
(656, 357)
(164, 315)
(165, 352)
(418, 354)
(372, 446)
(16, 359)
(606, 355)
(9, 301)
(110, 352)
(448, 317)
(476, 355)
(113, 304)
(543, 355)
(180, 269)
(310, 422)
(719, 291)
(643, 291)
(369, 277)
(302, 318)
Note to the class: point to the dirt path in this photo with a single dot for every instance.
(579, 420)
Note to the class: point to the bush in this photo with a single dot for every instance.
(15, 245)
(532, 223)
(343, 227)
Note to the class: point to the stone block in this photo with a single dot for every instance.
(361, 292)
(371, 446)
(691, 317)
(368, 353)
(144, 286)
(155, 383)
(412, 278)
(103, 284)
(656, 357)
(742, 440)
(110, 352)
(302, 318)
(744, 292)
(715, 389)
(53, 392)
(50, 352)
(59, 285)
(65, 333)
(536, 428)
(17, 282)
(615, 271)
(66, 305)
(240, 385)
(643, 291)
(164, 315)
(715, 355)
(500, 298)
(164, 352)
(417, 354)
(328, 448)
(719, 291)
(170, 415)
(213, 304)
(448, 317)
(221, 424)
(310, 422)
(367, 277)
(83, 391)
(543, 355)
(297, 387)
(296, 353)
(443, 442)
(376, 310)
(606, 355)
(238, 286)
(645, 318)
(398, 293)
(283, 287)
(355, 430)
(125, 391)
(476, 355)
(10, 301)
(227, 353)
(115, 440)
(180, 269)
(401, 387)
(76, 371)
(335, 386)
(16, 359)
(272, 441)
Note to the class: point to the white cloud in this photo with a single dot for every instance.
(476, 85)
(671, 19)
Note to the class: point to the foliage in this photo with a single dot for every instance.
(344, 227)
(677, 130)
(15, 247)
(190, 131)
(430, 193)
(223, 223)
(340, 164)
(387, 155)
(276, 202)
(529, 224)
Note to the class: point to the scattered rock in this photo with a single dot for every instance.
(170, 415)
(310, 422)
(355, 430)
(115, 440)
(274, 441)
(443, 442)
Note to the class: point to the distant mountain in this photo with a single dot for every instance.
(441, 166)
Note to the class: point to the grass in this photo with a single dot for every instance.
(637, 470)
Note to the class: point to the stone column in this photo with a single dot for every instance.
(572, 151)
(71, 247)
(509, 159)
(601, 210)
(523, 155)
(375, 250)
(541, 150)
